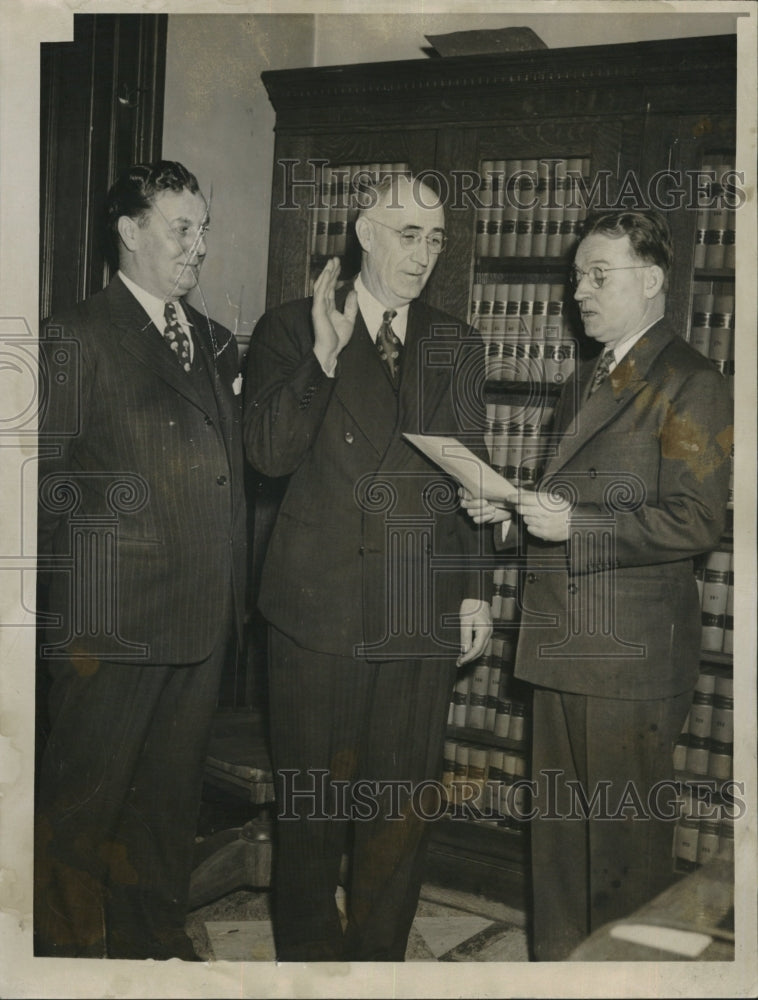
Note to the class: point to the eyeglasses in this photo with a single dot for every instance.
(597, 275)
(436, 242)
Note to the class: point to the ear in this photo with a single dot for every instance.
(654, 280)
(364, 232)
(127, 230)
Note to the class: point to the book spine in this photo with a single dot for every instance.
(481, 243)
(509, 234)
(715, 595)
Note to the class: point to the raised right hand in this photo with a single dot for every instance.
(332, 329)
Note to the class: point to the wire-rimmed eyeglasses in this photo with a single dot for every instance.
(412, 238)
(597, 274)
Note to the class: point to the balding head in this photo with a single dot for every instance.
(399, 231)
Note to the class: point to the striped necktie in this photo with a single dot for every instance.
(602, 368)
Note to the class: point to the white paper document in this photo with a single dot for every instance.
(479, 479)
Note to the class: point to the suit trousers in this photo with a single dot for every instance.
(339, 728)
(589, 871)
(119, 793)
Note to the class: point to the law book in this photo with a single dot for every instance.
(503, 710)
(493, 687)
(478, 687)
(728, 644)
(526, 355)
(700, 328)
(722, 331)
(555, 215)
(541, 211)
(554, 333)
(477, 291)
(509, 594)
(485, 324)
(481, 241)
(499, 307)
(489, 429)
(716, 232)
(572, 205)
(701, 223)
(495, 223)
(341, 182)
(730, 195)
(322, 213)
(527, 198)
(460, 699)
(500, 448)
(715, 596)
(509, 233)
(586, 167)
(460, 775)
(539, 322)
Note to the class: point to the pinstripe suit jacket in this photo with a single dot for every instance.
(142, 513)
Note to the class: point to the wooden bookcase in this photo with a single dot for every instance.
(623, 113)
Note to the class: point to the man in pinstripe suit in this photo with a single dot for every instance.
(142, 550)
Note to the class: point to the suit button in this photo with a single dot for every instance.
(221, 480)
(532, 577)
(573, 588)
(593, 473)
(208, 422)
(349, 437)
(361, 550)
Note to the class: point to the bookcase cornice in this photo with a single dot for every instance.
(453, 88)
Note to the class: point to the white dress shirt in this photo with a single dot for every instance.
(154, 307)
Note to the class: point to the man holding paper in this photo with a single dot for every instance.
(366, 581)
(610, 629)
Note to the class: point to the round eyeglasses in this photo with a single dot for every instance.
(597, 274)
(409, 238)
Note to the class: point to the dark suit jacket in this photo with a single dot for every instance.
(615, 613)
(126, 436)
(369, 546)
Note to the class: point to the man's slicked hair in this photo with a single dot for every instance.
(647, 229)
(135, 190)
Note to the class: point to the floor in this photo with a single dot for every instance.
(449, 927)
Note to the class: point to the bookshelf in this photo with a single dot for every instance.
(518, 144)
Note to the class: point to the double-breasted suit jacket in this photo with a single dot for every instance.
(369, 553)
(133, 446)
(615, 612)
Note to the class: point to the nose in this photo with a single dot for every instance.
(198, 247)
(421, 254)
(582, 289)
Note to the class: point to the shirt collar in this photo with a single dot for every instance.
(373, 312)
(153, 306)
(621, 350)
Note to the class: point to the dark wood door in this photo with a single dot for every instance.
(101, 109)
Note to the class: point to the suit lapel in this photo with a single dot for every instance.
(141, 339)
(610, 399)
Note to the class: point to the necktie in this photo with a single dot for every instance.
(602, 368)
(176, 336)
(389, 345)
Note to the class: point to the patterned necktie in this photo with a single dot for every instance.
(389, 345)
(602, 368)
(176, 336)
